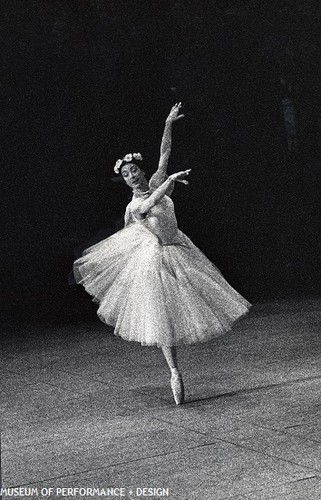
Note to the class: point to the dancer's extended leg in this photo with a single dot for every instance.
(176, 378)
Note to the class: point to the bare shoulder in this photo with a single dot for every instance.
(135, 207)
(152, 185)
(156, 180)
(133, 204)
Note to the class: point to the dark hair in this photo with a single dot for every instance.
(129, 158)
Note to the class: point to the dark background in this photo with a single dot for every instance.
(84, 82)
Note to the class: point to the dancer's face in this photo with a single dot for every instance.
(133, 176)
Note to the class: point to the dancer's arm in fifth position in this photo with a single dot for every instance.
(166, 146)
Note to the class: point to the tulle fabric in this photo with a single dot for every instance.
(157, 294)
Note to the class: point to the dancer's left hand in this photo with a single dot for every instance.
(174, 113)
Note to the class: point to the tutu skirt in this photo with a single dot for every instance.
(158, 294)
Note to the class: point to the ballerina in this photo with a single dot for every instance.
(152, 284)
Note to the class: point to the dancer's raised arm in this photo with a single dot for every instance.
(166, 146)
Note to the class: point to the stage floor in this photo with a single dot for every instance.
(81, 408)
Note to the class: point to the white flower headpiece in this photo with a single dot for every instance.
(127, 159)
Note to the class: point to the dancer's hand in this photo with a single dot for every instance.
(179, 176)
(174, 113)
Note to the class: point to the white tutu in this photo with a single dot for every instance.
(158, 294)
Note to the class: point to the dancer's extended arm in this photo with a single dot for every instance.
(166, 146)
(144, 206)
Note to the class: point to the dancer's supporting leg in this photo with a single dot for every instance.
(176, 378)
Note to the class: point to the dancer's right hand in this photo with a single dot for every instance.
(179, 176)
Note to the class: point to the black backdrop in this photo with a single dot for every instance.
(84, 82)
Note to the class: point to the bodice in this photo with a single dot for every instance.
(161, 220)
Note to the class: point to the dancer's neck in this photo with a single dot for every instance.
(141, 192)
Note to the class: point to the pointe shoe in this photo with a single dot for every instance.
(177, 387)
